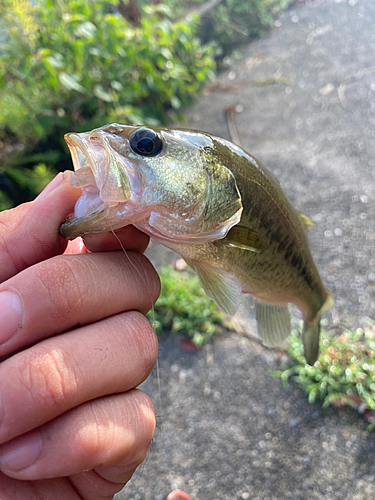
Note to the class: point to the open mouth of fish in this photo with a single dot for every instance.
(111, 186)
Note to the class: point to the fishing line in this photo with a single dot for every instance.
(153, 321)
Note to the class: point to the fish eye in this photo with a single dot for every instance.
(145, 142)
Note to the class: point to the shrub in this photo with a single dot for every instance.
(233, 22)
(76, 65)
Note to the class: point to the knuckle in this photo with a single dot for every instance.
(47, 378)
(148, 417)
(92, 443)
(145, 423)
(114, 431)
(145, 340)
(150, 277)
(98, 434)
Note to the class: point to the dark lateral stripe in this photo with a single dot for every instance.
(274, 234)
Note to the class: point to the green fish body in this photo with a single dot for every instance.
(215, 205)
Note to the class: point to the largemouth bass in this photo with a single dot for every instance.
(215, 205)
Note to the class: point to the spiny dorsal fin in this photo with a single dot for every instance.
(243, 238)
(306, 221)
(220, 286)
(273, 322)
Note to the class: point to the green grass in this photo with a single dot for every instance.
(344, 373)
(184, 308)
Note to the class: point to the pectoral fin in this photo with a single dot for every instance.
(220, 286)
(244, 238)
(273, 322)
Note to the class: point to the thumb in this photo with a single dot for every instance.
(29, 233)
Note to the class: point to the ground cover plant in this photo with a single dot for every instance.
(184, 308)
(344, 373)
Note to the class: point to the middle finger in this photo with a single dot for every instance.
(72, 290)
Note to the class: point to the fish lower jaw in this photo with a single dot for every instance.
(100, 216)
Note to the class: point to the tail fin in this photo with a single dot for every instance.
(311, 332)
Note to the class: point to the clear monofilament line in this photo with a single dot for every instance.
(153, 321)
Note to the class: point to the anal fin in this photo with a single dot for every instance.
(273, 322)
(310, 337)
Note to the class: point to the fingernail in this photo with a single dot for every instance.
(10, 315)
(21, 452)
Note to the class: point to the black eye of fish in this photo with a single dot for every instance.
(145, 142)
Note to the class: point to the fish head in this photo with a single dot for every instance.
(166, 182)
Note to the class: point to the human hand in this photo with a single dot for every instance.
(72, 424)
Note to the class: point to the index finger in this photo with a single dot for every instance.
(29, 233)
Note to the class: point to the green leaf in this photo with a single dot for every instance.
(94, 51)
(117, 85)
(56, 60)
(71, 82)
(86, 30)
(175, 102)
(102, 94)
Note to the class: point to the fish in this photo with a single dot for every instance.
(214, 204)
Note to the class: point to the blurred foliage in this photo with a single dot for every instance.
(73, 65)
(230, 22)
(234, 22)
(76, 65)
(184, 308)
(344, 373)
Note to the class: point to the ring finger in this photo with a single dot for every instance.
(60, 373)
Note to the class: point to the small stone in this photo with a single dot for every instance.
(293, 423)
(327, 89)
